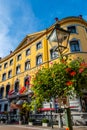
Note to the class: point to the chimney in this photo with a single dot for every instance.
(10, 52)
(80, 16)
(56, 19)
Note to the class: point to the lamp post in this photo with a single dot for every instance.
(58, 39)
(51, 113)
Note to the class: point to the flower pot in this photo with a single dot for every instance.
(20, 122)
(1, 122)
(30, 123)
(45, 124)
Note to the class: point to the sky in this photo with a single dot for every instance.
(21, 17)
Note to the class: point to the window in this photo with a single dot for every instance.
(39, 60)
(1, 92)
(38, 45)
(18, 69)
(0, 107)
(10, 74)
(5, 65)
(7, 90)
(86, 30)
(4, 76)
(11, 61)
(0, 67)
(53, 54)
(72, 29)
(19, 57)
(16, 86)
(27, 65)
(28, 52)
(6, 107)
(74, 46)
(27, 82)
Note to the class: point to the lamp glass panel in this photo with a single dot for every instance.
(62, 36)
(53, 37)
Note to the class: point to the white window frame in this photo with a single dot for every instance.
(18, 69)
(53, 54)
(27, 65)
(39, 59)
(38, 45)
(72, 42)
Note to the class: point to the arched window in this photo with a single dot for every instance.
(16, 86)
(7, 90)
(27, 82)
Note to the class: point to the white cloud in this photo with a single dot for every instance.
(16, 21)
(5, 22)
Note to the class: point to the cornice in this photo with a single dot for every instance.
(73, 19)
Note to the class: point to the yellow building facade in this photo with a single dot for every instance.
(19, 67)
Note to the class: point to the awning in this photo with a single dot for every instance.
(22, 90)
(47, 109)
(11, 92)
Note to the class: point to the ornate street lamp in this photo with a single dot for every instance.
(58, 39)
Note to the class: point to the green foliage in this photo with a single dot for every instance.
(26, 106)
(31, 120)
(45, 120)
(61, 79)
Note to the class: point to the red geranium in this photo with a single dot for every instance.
(81, 70)
(73, 73)
(68, 69)
(69, 83)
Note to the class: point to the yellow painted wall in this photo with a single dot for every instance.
(45, 51)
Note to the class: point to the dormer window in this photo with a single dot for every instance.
(72, 29)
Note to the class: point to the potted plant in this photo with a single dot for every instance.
(31, 121)
(45, 122)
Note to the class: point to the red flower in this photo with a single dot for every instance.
(83, 64)
(81, 70)
(68, 83)
(68, 69)
(73, 73)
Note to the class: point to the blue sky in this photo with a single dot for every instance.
(21, 17)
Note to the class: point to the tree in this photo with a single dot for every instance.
(24, 111)
(61, 79)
